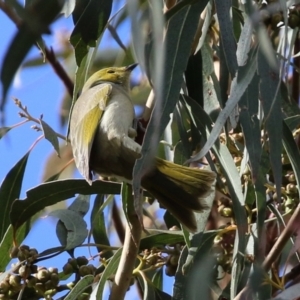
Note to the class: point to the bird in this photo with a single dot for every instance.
(103, 142)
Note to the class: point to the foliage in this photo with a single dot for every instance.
(225, 75)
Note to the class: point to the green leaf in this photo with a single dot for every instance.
(244, 42)
(202, 122)
(10, 190)
(50, 193)
(176, 8)
(75, 226)
(191, 262)
(16, 52)
(292, 151)
(211, 103)
(180, 278)
(98, 225)
(292, 122)
(50, 135)
(89, 27)
(36, 19)
(251, 125)
(223, 8)
(161, 238)
(4, 131)
(7, 243)
(157, 279)
(184, 146)
(126, 196)
(148, 290)
(80, 206)
(178, 40)
(109, 271)
(269, 88)
(139, 38)
(80, 286)
(238, 87)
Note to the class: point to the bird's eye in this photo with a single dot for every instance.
(111, 71)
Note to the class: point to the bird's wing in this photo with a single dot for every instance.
(86, 116)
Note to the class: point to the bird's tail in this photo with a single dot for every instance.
(180, 189)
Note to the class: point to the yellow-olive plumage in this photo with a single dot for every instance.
(102, 139)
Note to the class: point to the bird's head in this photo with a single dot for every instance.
(118, 75)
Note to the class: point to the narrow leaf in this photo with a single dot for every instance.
(50, 193)
(98, 225)
(292, 151)
(36, 18)
(80, 286)
(148, 291)
(161, 239)
(110, 270)
(4, 131)
(157, 279)
(89, 27)
(239, 85)
(251, 125)
(16, 52)
(228, 41)
(7, 243)
(10, 190)
(178, 40)
(269, 88)
(50, 135)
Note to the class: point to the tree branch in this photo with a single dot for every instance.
(49, 53)
(129, 253)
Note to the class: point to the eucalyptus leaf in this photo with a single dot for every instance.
(36, 18)
(80, 286)
(239, 85)
(177, 47)
(50, 135)
(269, 88)
(98, 228)
(109, 271)
(49, 193)
(10, 190)
(4, 131)
(228, 41)
(89, 26)
(76, 227)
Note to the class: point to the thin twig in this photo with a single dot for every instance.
(25, 114)
(59, 70)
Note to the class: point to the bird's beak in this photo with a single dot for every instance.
(131, 67)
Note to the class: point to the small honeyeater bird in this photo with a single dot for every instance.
(102, 139)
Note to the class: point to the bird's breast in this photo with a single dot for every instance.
(118, 116)
(110, 156)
